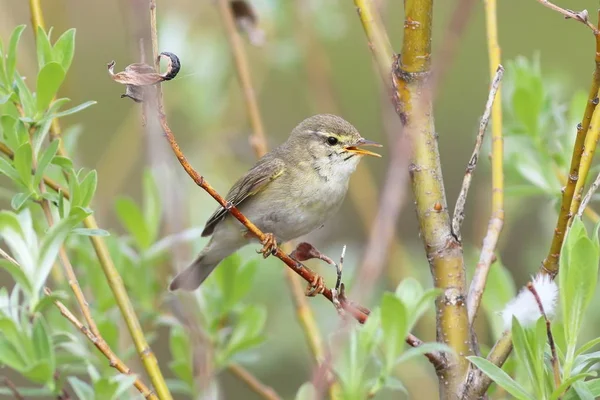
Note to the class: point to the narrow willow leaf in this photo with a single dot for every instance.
(44, 48)
(64, 48)
(23, 164)
(11, 57)
(7, 169)
(74, 110)
(394, 322)
(19, 200)
(45, 160)
(49, 80)
(501, 378)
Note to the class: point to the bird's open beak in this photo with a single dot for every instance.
(362, 152)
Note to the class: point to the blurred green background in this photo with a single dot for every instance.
(315, 60)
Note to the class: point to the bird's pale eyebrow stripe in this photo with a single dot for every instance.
(326, 134)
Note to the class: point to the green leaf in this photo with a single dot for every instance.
(132, 219)
(48, 300)
(40, 372)
(11, 356)
(9, 171)
(45, 160)
(42, 343)
(64, 48)
(13, 235)
(51, 243)
(124, 383)
(105, 388)
(87, 187)
(63, 162)
(395, 327)
(11, 58)
(587, 346)
(23, 163)
(559, 391)
(44, 48)
(501, 378)
(528, 346)
(579, 274)
(152, 205)
(9, 131)
(583, 392)
(73, 110)
(90, 232)
(25, 96)
(247, 332)
(422, 349)
(19, 200)
(49, 80)
(82, 390)
(17, 274)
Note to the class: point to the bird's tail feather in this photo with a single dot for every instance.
(193, 276)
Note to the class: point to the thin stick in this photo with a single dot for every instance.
(264, 391)
(588, 196)
(459, 210)
(101, 345)
(581, 16)
(581, 159)
(379, 43)
(15, 391)
(258, 138)
(496, 222)
(555, 365)
(113, 278)
(583, 150)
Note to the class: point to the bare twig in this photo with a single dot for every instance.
(583, 150)
(459, 210)
(496, 222)
(266, 392)
(555, 362)
(258, 138)
(588, 196)
(100, 344)
(580, 16)
(11, 386)
(581, 159)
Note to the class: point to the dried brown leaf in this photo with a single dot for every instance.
(247, 21)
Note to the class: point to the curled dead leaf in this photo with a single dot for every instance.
(247, 21)
(138, 78)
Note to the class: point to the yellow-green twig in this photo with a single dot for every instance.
(496, 221)
(112, 275)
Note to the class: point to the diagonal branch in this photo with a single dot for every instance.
(496, 222)
(266, 392)
(459, 209)
(108, 267)
(100, 344)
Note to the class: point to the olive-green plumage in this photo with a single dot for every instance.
(290, 192)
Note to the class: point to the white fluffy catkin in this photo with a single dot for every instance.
(525, 307)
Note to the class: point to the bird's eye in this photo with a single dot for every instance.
(332, 140)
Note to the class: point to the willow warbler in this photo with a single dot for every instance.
(290, 192)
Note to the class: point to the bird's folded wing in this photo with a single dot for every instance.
(253, 182)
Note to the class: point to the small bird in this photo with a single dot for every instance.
(290, 192)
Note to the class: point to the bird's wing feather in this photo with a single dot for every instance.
(253, 182)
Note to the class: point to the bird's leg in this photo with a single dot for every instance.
(317, 286)
(269, 245)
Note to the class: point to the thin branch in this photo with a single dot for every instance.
(459, 210)
(258, 138)
(554, 360)
(96, 340)
(264, 391)
(496, 222)
(11, 386)
(588, 196)
(115, 281)
(379, 43)
(583, 152)
(258, 141)
(581, 16)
